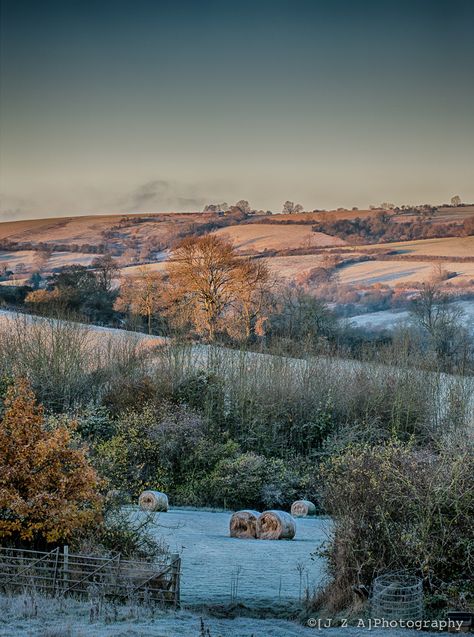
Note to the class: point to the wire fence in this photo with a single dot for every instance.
(397, 596)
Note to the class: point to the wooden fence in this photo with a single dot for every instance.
(62, 573)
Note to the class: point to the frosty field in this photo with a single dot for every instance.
(268, 580)
(262, 574)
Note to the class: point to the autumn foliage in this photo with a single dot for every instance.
(216, 290)
(48, 490)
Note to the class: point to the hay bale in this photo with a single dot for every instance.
(243, 524)
(116, 497)
(302, 508)
(153, 501)
(275, 525)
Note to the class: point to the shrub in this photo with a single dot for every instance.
(129, 393)
(398, 508)
(204, 392)
(48, 490)
(164, 448)
(95, 423)
(122, 532)
(249, 480)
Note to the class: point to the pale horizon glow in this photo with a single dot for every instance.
(151, 106)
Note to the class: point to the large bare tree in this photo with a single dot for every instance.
(441, 321)
(209, 284)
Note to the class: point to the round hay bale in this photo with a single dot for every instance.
(243, 524)
(275, 525)
(302, 508)
(116, 497)
(153, 501)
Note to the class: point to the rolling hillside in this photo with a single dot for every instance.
(256, 237)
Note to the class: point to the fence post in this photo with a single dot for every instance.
(55, 571)
(176, 563)
(65, 566)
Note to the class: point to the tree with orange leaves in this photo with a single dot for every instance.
(48, 490)
(214, 288)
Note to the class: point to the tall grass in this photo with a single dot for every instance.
(67, 363)
(279, 404)
(271, 404)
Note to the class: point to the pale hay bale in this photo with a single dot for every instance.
(153, 501)
(275, 525)
(302, 508)
(243, 524)
(115, 496)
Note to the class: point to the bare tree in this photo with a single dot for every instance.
(106, 270)
(42, 258)
(439, 273)
(440, 320)
(244, 206)
(252, 296)
(141, 295)
(289, 208)
(456, 200)
(216, 207)
(201, 274)
(212, 287)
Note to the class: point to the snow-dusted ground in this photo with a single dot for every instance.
(264, 574)
(72, 619)
(389, 319)
(23, 616)
(268, 578)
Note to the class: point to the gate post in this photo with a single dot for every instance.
(65, 566)
(176, 570)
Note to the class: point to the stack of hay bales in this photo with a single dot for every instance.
(269, 525)
(302, 508)
(153, 501)
(243, 524)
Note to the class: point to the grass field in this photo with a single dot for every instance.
(55, 617)
(447, 247)
(370, 272)
(393, 272)
(88, 229)
(267, 571)
(58, 259)
(260, 237)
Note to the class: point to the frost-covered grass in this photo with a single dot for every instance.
(261, 574)
(28, 616)
(390, 319)
(35, 616)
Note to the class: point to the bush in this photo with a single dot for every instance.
(119, 531)
(165, 448)
(129, 394)
(95, 423)
(48, 490)
(250, 481)
(398, 508)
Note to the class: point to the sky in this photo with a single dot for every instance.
(159, 105)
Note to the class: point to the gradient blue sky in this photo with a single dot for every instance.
(157, 105)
